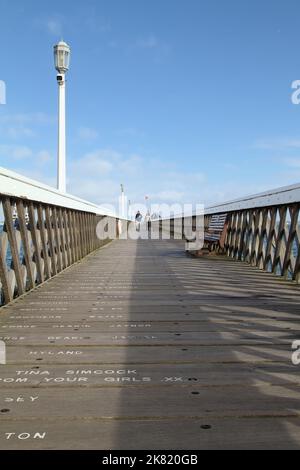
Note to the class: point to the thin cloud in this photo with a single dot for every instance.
(152, 43)
(97, 25)
(15, 152)
(43, 157)
(27, 118)
(19, 132)
(23, 152)
(87, 133)
(277, 144)
(23, 125)
(149, 42)
(130, 132)
(292, 162)
(169, 196)
(54, 27)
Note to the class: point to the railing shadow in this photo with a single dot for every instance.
(217, 354)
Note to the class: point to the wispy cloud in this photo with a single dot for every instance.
(93, 165)
(154, 44)
(27, 118)
(97, 25)
(168, 196)
(21, 126)
(25, 153)
(97, 176)
(149, 42)
(277, 144)
(87, 133)
(43, 157)
(292, 162)
(130, 132)
(15, 152)
(113, 44)
(18, 132)
(54, 26)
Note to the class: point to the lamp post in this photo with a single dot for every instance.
(123, 202)
(62, 61)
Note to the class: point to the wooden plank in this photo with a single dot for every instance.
(262, 235)
(79, 235)
(62, 233)
(53, 256)
(83, 228)
(7, 210)
(137, 403)
(67, 238)
(43, 235)
(72, 247)
(75, 250)
(255, 238)
(282, 214)
(53, 355)
(25, 243)
(36, 242)
(249, 234)
(84, 231)
(91, 234)
(232, 234)
(294, 212)
(201, 434)
(270, 237)
(4, 278)
(57, 239)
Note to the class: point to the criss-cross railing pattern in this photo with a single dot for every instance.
(39, 240)
(267, 238)
(262, 230)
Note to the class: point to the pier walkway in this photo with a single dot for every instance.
(140, 346)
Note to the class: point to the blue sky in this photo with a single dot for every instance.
(181, 100)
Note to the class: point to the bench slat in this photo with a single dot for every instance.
(215, 228)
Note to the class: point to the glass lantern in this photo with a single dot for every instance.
(62, 57)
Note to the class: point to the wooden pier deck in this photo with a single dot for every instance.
(141, 347)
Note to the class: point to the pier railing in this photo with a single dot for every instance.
(262, 230)
(42, 233)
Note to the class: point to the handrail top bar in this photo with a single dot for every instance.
(273, 197)
(14, 185)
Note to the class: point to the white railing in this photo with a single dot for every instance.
(43, 232)
(13, 184)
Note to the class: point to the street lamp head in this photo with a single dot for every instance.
(62, 57)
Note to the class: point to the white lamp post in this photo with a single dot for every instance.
(62, 62)
(123, 202)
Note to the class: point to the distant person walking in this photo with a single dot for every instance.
(138, 220)
(147, 220)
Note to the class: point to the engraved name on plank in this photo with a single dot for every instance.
(35, 317)
(55, 353)
(83, 376)
(24, 435)
(21, 399)
(12, 338)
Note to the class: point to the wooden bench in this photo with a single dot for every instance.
(214, 236)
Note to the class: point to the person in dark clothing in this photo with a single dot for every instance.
(138, 219)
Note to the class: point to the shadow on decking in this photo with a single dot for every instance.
(228, 354)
